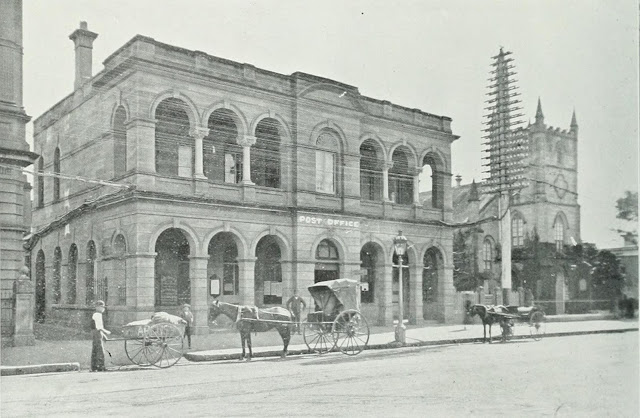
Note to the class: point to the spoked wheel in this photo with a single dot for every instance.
(318, 337)
(137, 351)
(537, 325)
(165, 345)
(351, 332)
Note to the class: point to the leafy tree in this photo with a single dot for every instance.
(465, 263)
(627, 208)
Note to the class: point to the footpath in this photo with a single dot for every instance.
(224, 344)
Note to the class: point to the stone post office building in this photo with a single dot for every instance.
(235, 181)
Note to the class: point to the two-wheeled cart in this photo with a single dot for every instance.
(508, 316)
(336, 322)
(153, 342)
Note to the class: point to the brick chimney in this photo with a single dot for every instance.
(83, 41)
(458, 180)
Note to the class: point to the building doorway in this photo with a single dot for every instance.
(432, 268)
(172, 283)
(268, 272)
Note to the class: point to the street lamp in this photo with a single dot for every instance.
(400, 246)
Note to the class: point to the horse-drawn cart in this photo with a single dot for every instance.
(157, 341)
(336, 321)
(508, 316)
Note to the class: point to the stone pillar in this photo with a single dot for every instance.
(416, 186)
(415, 284)
(386, 295)
(141, 144)
(198, 133)
(24, 310)
(247, 269)
(448, 296)
(199, 300)
(288, 286)
(144, 297)
(246, 142)
(304, 279)
(385, 180)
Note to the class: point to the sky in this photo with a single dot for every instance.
(430, 55)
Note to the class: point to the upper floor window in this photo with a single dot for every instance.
(517, 231)
(265, 154)
(221, 152)
(174, 147)
(487, 254)
(370, 171)
(56, 175)
(559, 233)
(326, 163)
(400, 179)
(432, 179)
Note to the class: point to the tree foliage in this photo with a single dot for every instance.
(465, 263)
(627, 206)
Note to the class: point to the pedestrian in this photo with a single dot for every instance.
(98, 333)
(296, 304)
(187, 315)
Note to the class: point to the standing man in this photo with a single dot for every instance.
(98, 334)
(296, 304)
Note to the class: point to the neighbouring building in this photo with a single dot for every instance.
(14, 156)
(628, 256)
(545, 221)
(220, 179)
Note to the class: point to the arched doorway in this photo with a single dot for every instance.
(268, 272)
(372, 265)
(432, 267)
(327, 262)
(172, 284)
(222, 269)
(406, 277)
(41, 298)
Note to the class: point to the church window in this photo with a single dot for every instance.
(559, 233)
(517, 231)
(487, 254)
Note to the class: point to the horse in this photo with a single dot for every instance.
(253, 319)
(486, 313)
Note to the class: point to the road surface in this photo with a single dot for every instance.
(591, 375)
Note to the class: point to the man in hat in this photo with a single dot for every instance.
(187, 315)
(99, 334)
(296, 304)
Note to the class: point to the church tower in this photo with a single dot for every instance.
(550, 202)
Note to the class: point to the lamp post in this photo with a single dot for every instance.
(400, 246)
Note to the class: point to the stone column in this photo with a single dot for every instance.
(415, 284)
(247, 280)
(144, 297)
(385, 180)
(448, 295)
(246, 142)
(199, 304)
(386, 295)
(24, 310)
(286, 267)
(198, 133)
(141, 144)
(416, 186)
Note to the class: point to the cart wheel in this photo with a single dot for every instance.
(537, 325)
(165, 345)
(318, 337)
(137, 351)
(351, 332)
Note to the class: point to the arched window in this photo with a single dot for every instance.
(487, 254)
(56, 172)
(73, 274)
(265, 154)
(90, 280)
(41, 182)
(370, 171)
(433, 166)
(119, 142)
(517, 231)
(400, 179)
(174, 147)
(326, 163)
(558, 228)
(222, 155)
(57, 276)
(327, 266)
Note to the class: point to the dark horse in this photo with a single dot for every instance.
(250, 319)
(491, 315)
